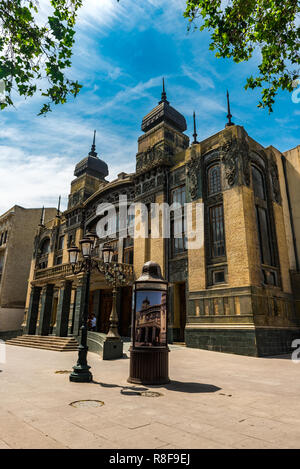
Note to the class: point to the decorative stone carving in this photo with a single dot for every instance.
(275, 181)
(245, 156)
(177, 177)
(154, 156)
(148, 185)
(230, 156)
(235, 154)
(192, 171)
(36, 246)
(150, 199)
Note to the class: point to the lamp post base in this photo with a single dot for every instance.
(149, 366)
(112, 348)
(81, 374)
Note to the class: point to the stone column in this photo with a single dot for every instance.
(79, 303)
(63, 309)
(46, 309)
(33, 310)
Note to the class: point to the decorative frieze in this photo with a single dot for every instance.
(156, 155)
(192, 171)
(236, 159)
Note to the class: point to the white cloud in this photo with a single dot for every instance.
(204, 82)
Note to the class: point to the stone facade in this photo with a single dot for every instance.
(235, 291)
(17, 231)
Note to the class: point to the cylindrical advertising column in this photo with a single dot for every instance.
(149, 361)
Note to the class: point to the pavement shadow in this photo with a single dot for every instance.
(180, 386)
(126, 390)
(177, 386)
(279, 357)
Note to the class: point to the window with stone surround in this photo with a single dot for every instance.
(265, 227)
(178, 223)
(214, 179)
(217, 234)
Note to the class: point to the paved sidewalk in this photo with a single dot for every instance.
(214, 401)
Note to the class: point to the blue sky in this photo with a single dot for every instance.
(122, 52)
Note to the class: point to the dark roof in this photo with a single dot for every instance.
(91, 165)
(163, 112)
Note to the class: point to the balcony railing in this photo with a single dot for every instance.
(57, 271)
(63, 270)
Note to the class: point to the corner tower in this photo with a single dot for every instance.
(162, 146)
(90, 175)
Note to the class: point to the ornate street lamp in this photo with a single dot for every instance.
(107, 254)
(113, 345)
(149, 361)
(81, 371)
(114, 274)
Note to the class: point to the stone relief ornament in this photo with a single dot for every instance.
(275, 181)
(235, 153)
(245, 155)
(152, 157)
(230, 156)
(193, 168)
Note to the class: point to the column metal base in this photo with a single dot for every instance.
(81, 374)
(149, 366)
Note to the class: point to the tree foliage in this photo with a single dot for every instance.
(34, 57)
(241, 28)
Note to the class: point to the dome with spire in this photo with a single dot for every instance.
(163, 112)
(91, 164)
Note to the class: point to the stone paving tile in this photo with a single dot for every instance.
(67, 433)
(254, 443)
(214, 400)
(137, 443)
(174, 436)
(3, 445)
(17, 434)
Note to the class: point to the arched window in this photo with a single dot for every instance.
(258, 183)
(214, 179)
(45, 247)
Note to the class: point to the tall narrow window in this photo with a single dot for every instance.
(178, 195)
(217, 233)
(178, 222)
(214, 179)
(258, 183)
(264, 228)
(264, 235)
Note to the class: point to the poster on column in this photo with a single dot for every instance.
(150, 318)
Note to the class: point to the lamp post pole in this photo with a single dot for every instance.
(81, 371)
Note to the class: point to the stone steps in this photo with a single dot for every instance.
(59, 344)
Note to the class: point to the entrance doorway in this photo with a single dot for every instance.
(105, 306)
(179, 310)
(125, 308)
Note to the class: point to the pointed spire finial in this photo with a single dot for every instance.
(93, 149)
(42, 219)
(163, 94)
(229, 115)
(195, 131)
(58, 207)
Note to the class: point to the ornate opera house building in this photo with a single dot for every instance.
(238, 292)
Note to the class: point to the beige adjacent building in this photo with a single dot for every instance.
(17, 231)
